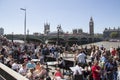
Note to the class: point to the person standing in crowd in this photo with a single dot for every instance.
(92, 55)
(42, 54)
(96, 71)
(77, 73)
(81, 57)
(114, 52)
(108, 68)
(56, 52)
(97, 53)
(89, 77)
(102, 61)
(118, 76)
(67, 48)
(115, 69)
(118, 52)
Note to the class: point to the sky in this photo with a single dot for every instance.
(71, 14)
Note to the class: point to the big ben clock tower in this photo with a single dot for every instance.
(91, 27)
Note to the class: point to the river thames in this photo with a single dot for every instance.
(106, 44)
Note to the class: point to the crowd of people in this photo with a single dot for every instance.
(104, 64)
(94, 63)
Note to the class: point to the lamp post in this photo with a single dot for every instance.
(12, 36)
(58, 29)
(28, 35)
(24, 24)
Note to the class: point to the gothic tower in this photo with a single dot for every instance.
(46, 28)
(91, 27)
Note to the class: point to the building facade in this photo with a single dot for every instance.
(46, 28)
(77, 31)
(74, 31)
(80, 31)
(107, 32)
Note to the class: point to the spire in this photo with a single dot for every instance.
(91, 19)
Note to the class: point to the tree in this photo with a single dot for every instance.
(114, 34)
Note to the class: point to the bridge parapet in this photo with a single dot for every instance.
(10, 74)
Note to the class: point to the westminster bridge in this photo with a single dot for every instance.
(61, 39)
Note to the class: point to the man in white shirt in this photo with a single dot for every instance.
(23, 69)
(81, 57)
(15, 66)
(77, 73)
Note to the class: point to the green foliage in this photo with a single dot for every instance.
(98, 35)
(114, 35)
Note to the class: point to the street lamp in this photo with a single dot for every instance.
(58, 29)
(12, 36)
(28, 35)
(24, 24)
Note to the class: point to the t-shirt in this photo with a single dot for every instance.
(77, 70)
(81, 58)
(94, 73)
(31, 65)
(23, 71)
(58, 74)
(113, 52)
(15, 66)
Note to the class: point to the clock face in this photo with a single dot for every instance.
(91, 23)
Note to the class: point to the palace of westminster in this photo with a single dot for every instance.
(75, 31)
(77, 35)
